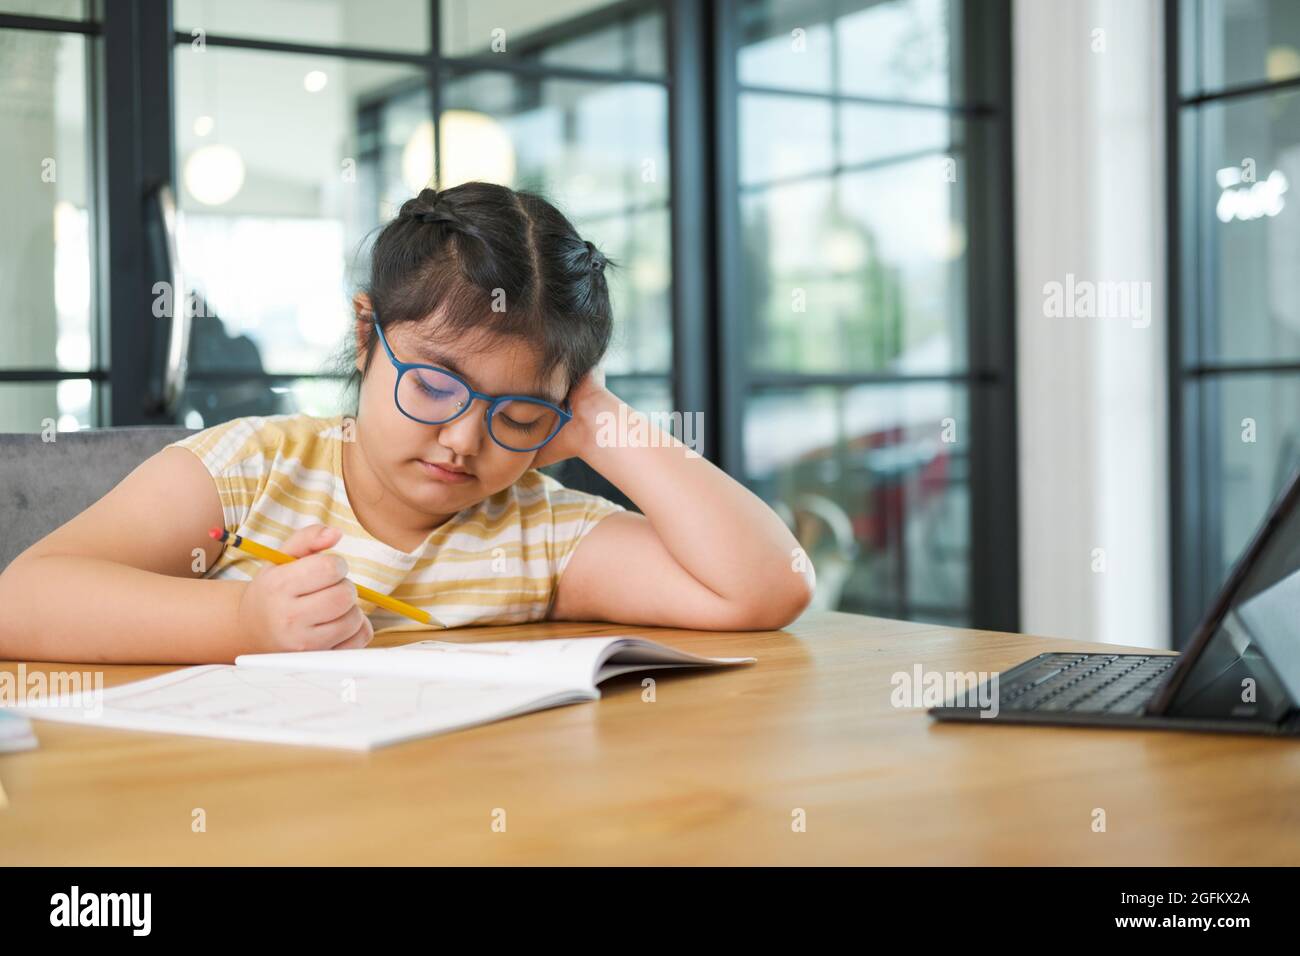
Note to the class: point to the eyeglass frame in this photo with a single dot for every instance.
(494, 401)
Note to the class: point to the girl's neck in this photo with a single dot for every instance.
(394, 523)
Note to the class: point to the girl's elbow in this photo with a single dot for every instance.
(780, 604)
(792, 605)
(801, 586)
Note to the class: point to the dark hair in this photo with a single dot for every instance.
(488, 259)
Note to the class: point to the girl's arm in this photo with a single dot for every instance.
(118, 583)
(706, 553)
(123, 582)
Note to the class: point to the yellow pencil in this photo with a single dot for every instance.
(279, 557)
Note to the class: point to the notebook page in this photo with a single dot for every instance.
(568, 662)
(306, 707)
(577, 662)
(638, 654)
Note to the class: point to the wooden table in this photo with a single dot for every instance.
(712, 771)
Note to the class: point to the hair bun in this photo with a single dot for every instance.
(437, 211)
(434, 215)
(597, 257)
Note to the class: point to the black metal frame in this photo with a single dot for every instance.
(694, 233)
(990, 374)
(42, 24)
(1185, 546)
(729, 391)
(137, 84)
(991, 336)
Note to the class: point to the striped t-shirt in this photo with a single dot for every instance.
(495, 562)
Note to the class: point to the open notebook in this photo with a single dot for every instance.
(361, 699)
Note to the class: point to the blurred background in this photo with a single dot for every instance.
(838, 220)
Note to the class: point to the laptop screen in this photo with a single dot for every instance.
(1248, 664)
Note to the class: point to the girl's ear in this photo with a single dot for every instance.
(361, 326)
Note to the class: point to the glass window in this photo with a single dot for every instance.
(587, 34)
(210, 400)
(785, 44)
(783, 136)
(596, 148)
(873, 134)
(912, 275)
(859, 273)
(1238, 325)
(288, 161)
(1250, 160)
(599, 151)
(1243, 42)
(386, 24)
(854, 286)
(653, 396)
(67, 9)
(1257, 449)
(640, 288)
(900, 49)
(874, 480)
(629, 46)
(274, 212)
(31, 406)
(46, 292)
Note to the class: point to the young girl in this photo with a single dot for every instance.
(476, 340)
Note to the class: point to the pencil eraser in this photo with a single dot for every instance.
(215, 534)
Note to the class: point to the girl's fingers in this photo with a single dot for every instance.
(311, 574)
(363, 636)
(329, 605)
(330, 632)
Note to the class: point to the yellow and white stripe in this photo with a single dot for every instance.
(495, 563)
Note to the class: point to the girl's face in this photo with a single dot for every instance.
(441, 469)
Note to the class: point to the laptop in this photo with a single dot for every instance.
(1239, 674)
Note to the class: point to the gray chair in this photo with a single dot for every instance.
(44, 484)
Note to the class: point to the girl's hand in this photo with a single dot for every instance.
(308, 604)
(586, 400)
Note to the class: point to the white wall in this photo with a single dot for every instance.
(1090, 181)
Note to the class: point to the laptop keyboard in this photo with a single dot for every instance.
(1086, 683)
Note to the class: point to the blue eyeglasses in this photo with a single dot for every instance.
(435, 396)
